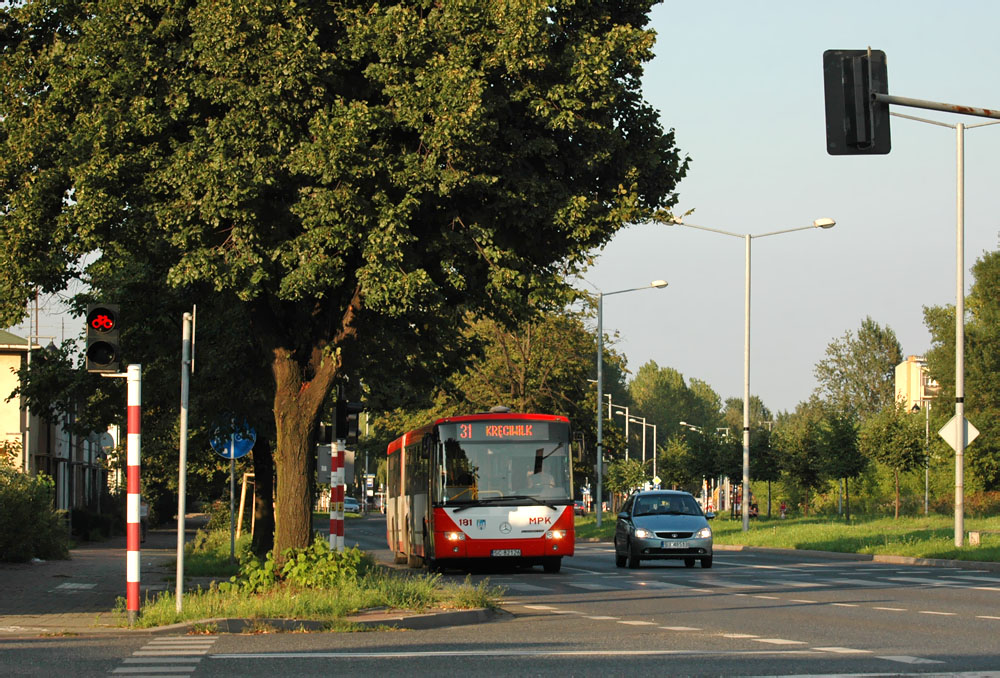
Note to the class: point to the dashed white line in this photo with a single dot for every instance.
(842, 650)
(986, 616)
(891, 609)
(843, 604)
(802, 600)
(940, 614)
(637, 623)
(680, 628)
(778, 641)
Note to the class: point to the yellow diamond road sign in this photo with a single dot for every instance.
(950, 432)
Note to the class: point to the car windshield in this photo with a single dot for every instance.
(666, 504)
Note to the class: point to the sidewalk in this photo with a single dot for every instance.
(77, 596)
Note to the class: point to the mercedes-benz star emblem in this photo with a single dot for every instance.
(505, 527)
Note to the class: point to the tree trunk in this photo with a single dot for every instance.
(263, 498)
(897, 493)
(847, 499)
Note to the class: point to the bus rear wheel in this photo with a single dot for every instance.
(552, 564)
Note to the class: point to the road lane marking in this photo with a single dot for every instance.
(680, 628)
(601, 618)
(985, 616)
(941, 614)
(858, 582)
(799, 584)
(904, 659)
(637, 623)
(778, 641)
(592, 587)
(891, 609)
(767, 597)
(842, 650)
(843, 604)
(539, 607)
(738, 635)
(803, 600)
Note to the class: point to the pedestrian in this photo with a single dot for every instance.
(784, 508)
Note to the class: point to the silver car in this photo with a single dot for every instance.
(662, 525)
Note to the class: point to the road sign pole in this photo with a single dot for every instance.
(182, 456)
(232, 498)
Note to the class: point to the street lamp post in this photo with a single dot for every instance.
(628, 418)
(658, 284)
(960, 428)
(818, 223)
(642, 420)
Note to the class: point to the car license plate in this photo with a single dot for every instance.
(505, 552)
(672, 544)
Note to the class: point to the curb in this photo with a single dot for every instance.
(397, 619)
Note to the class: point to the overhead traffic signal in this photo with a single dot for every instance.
(103, 352)
(856, 124)
(347, 415)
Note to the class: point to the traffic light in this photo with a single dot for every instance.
(103, 352)
(347, 420)
(856, 124)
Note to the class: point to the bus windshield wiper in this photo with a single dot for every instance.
(500, 500)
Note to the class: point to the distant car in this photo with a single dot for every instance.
(351, 505)
(662, 525)
(579, 508)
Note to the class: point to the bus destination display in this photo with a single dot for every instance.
(483, 431)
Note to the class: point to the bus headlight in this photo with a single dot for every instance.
(454, 536)
(555, 534)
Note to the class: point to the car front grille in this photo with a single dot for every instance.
(674, 535)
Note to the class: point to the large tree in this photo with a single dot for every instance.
(359, 175)
(857, 376)
(896, 439)
(982, 365)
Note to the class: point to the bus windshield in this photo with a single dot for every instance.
(522, 464)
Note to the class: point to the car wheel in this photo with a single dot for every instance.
(689, 562)
(633, 557)
(706, 561)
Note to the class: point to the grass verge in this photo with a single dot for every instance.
(916, 537)
(315, 584)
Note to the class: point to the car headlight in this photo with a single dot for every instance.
(704, 533)
(642, 533)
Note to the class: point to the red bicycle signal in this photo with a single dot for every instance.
(102, 322)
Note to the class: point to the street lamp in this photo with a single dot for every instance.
(657, 284)
(824, 223)
(642, 420)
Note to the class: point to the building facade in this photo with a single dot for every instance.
(39, 446)
(914, 385)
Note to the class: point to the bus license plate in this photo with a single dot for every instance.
(505, 552)
(672, 544)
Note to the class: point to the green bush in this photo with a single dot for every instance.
(314, 567)
(30, 526)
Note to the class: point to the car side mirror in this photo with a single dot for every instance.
(623, 516)
(709, 515)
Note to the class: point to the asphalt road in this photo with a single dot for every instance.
(752, 614)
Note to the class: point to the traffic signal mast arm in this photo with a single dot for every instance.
(936, 106)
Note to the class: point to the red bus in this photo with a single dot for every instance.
(484, 487)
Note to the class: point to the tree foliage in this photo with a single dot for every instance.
(359, 176)
(857, 376)
(896, 439)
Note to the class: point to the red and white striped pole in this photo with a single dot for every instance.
(132, 533)
(337, 496)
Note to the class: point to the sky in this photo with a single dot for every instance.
(741, 83)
